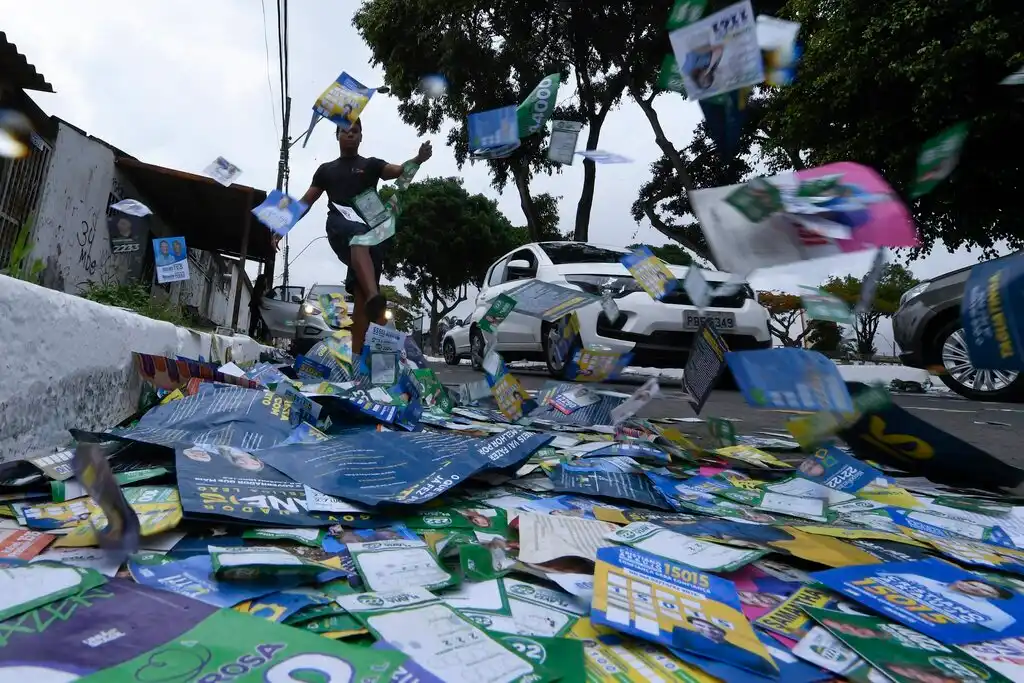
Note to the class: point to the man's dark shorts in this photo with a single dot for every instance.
(339, 231)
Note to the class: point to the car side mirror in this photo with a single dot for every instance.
(520, 268)
(296, 299)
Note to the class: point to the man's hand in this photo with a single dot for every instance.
(426, 151)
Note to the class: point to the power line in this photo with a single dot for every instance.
(266, 47)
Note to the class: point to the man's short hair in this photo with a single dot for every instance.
(358, 122)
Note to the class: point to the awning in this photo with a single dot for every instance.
(210, 216)
(16, 70)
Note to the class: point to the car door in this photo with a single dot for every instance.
(518, 332)
(280, 308)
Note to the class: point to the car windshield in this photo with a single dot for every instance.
(580, 252)
(317, 290)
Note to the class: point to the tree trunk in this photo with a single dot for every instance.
(520, 171)
(435, 318)
(666, 146)
(586, 203)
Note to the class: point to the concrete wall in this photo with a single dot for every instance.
(71, 237)
(65, 363)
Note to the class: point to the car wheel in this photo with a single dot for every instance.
(476, 348)
(450, 357)
(550, 334)
(962, 377)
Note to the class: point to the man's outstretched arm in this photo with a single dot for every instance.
(392, 171)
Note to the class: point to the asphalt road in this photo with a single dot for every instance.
(968, 420)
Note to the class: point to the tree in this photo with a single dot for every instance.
(878, 79)
(824, 335)
(894, 281)
(445, 240)
(405, 308)
(493, 53)
(783, 313)
(669, 253)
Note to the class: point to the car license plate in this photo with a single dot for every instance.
(723, 322)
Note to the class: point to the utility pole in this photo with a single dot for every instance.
(282, 171)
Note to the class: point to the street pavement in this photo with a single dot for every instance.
(970, 421)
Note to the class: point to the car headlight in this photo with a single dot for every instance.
(388, 314)
(599, 284)
(915, 291)
(310, 309)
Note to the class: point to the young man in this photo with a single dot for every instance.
(343, 179)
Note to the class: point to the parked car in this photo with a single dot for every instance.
(658, 333)
(292, 313)
(455, 343)
(928, 329)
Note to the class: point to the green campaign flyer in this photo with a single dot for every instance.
(901, 653)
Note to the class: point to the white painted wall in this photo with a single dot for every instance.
(66, 363)
(70, 230)
(71, 238)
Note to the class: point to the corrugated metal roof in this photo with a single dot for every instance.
(16, 70)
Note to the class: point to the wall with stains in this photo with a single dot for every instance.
(70, 234)
(72, 239)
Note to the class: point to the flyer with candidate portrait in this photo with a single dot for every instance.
(953, 606)
(171, 258)
(279, 212)
(677, 606)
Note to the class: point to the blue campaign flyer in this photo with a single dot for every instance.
(309, 369)
(279, 212)
(953, 606)
(942, 526)
(494, 128)
(992, 312)
(833, 468)
(676, 606)
(791, 669)
(372, 468)
(789, 379)
(191, 577)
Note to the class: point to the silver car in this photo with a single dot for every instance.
(293, 313)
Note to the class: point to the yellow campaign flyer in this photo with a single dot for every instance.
(671, 604)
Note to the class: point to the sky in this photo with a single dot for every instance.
(179, 84)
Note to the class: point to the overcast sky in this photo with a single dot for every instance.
(178, 84)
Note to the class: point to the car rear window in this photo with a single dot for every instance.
(580, 252)
(317, 290)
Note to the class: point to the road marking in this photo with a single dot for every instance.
(941, 410)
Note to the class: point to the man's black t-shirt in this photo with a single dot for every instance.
(346, 177)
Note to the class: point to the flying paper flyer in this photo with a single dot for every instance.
(650, 272)
(677, 606)
(755, 229)
(719, 53)
(343, 101)
(954, 606)
(279, 212)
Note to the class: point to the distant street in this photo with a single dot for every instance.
(947, 411)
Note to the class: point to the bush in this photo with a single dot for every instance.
(136, 298)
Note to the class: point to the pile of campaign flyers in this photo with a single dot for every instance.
(350, 518)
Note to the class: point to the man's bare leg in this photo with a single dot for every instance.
(366, 280)
(360, 320)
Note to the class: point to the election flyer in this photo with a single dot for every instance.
(901, 653)
(938, 599)
(674, 605)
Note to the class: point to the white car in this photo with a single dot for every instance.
(658, 333)
(455, 343)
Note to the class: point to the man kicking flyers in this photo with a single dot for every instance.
(343, 179)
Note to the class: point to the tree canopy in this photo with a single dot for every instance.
(445, 240)
(493, 53)
(783, 313)
(895, 280)
(876, 80)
